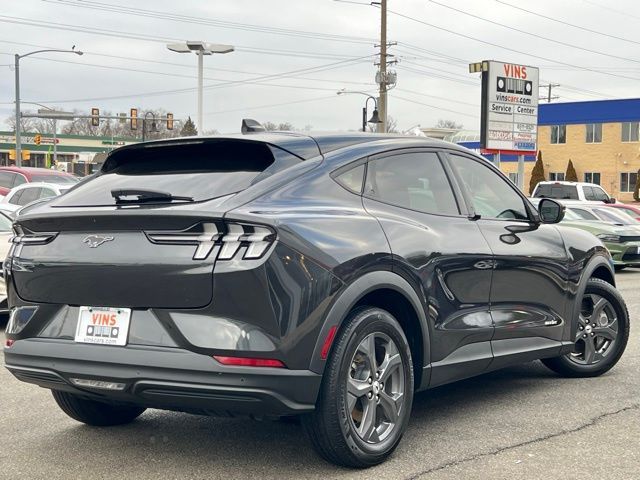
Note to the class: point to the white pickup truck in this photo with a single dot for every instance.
(584, 192)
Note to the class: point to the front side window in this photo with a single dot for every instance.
(630, 131)
(592, 177)
(416, 181)
(599, 194)
(492, 195)
(628, 181)
(594, 132)
(558, 134)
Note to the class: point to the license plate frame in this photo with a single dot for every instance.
(103, 326)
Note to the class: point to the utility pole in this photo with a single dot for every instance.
(549, 87)
(382, 102)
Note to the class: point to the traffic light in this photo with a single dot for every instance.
(12, 154)
(37, 139)
(95, 117)
(169, 121)
(26, 155)
(134, 119)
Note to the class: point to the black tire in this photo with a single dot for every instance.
(567, 365)
(331, 427)
(97, 414)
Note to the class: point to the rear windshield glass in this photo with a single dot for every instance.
(198, 170)
(562, 192)
(57, 179)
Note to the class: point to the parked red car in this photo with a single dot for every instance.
(632, 210)
(13, 176)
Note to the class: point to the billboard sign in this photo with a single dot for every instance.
(509, 108)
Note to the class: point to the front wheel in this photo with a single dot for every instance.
(367, 391)
(601, 335)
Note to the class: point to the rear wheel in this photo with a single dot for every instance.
(98, 414)
(367, 392)
(601, 336)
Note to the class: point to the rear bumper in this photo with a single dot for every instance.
(161, 377)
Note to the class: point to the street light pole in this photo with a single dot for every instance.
(200, 49)
(17, 69)
(375, 117)
(18, 138)
(200, 74)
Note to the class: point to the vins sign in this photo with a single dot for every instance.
(509, 108)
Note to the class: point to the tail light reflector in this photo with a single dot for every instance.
(249, 362)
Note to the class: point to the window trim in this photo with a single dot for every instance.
(622, 124)
(558, 142)
(533, 215)
(586, 133)
(457, 193)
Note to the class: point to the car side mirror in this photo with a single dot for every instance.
(611, 200)
(550, 211)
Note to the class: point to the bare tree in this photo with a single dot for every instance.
(448, 124)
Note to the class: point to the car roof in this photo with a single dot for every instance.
(303, 145)
(565, 182)
(34, 171)
(55, 186)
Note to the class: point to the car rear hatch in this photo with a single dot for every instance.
(144, 232)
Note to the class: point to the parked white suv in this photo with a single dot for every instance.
(581, 191)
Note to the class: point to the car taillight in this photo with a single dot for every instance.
(24, 236)
(231, 238)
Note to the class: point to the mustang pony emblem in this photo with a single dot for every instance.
(94, 241)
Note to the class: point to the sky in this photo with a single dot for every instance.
(291, 57)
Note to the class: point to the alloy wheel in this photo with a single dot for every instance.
(375, 388)
(597, 330)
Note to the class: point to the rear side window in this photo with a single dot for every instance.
(352, 179)
(6, 179)
(412, 180)
(559, 191)
(199, 170)
(28, 195)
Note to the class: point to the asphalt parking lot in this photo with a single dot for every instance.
(522, 422)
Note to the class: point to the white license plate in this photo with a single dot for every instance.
(103, 325)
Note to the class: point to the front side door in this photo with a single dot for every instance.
(530, 290)
(440, 252)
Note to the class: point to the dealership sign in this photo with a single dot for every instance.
(509, 107)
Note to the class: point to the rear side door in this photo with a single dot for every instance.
(530, 288)
(440, 252)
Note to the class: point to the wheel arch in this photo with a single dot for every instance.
(598, 266)
(391, 292)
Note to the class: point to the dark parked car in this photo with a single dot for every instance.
(327, 276)
(13, 176)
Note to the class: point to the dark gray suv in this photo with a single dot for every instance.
(327, 276)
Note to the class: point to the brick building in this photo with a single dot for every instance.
(601, 138)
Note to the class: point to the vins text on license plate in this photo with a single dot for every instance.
(103, 325)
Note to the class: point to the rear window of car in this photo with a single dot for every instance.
(199, 170)
(561, 192)
(57, 179)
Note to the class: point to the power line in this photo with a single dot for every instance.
(173, 64)
(318, 68)
(413, 92)
(434, 106)
(153, 38)
(469, 37)
(535, 35)
(247, 109)
(211, 22)
(579, 27)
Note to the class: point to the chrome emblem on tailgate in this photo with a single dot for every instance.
(94, 241)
